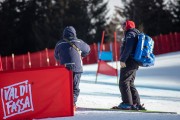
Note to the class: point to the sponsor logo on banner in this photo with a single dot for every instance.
(16, 99)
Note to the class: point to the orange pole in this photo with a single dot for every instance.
(115, 47)
(102, 40)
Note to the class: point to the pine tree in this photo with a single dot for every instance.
(97, 13)
(33, 25)
(10, 38)
(150, 16)
(174, 7)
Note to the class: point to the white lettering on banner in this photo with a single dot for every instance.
(16, 99)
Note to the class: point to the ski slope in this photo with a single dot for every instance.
(158, 86)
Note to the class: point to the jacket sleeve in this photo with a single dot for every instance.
(56, 52)
(85, 49)
(128, 47)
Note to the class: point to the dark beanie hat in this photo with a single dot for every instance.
(69, 32)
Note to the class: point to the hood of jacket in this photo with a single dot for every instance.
(69, 33)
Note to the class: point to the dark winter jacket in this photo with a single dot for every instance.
(67, 55)
(128, 47)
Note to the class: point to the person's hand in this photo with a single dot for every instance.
(123, 64)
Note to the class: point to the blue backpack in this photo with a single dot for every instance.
(144, 51)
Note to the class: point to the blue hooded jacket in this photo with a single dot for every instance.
(67, 55)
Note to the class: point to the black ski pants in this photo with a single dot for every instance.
(76, 81)
(128, 91)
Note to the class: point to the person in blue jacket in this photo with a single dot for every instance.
(129, 93)
(67, 55)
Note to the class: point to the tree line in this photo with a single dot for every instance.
(33, 25)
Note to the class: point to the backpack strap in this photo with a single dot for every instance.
(136, 31)
(136, 37)
(74, 46)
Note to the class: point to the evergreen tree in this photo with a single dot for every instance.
(97, 13)
(150, 16)
(33, 25)
(24, 25)
(76, 14)
(174, 7)
(9, 22)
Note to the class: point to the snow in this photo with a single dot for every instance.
(158, 86)
(99, 115)
(111, 6)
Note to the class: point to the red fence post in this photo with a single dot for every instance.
(162, 44)
(87, 59)
(173, 43)
(158, 45)
(29, 59)
(155, 45)
(170, 42)
(40, 59)
(95, 51)
(47, 57)
(1, 67)
(23, 61)
(178, 41)
(167, 43)
(6, 59)
(13, 62)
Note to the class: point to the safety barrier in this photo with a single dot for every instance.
(163, 44)
(36, 93)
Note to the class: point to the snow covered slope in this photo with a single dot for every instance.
(158, 86)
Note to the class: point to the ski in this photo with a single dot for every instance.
(122, 110)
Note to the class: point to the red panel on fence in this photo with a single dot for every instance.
(162, 44)
(92, 57)
(155, 45)
(177, 41)
(106, 69)
(36, 93)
